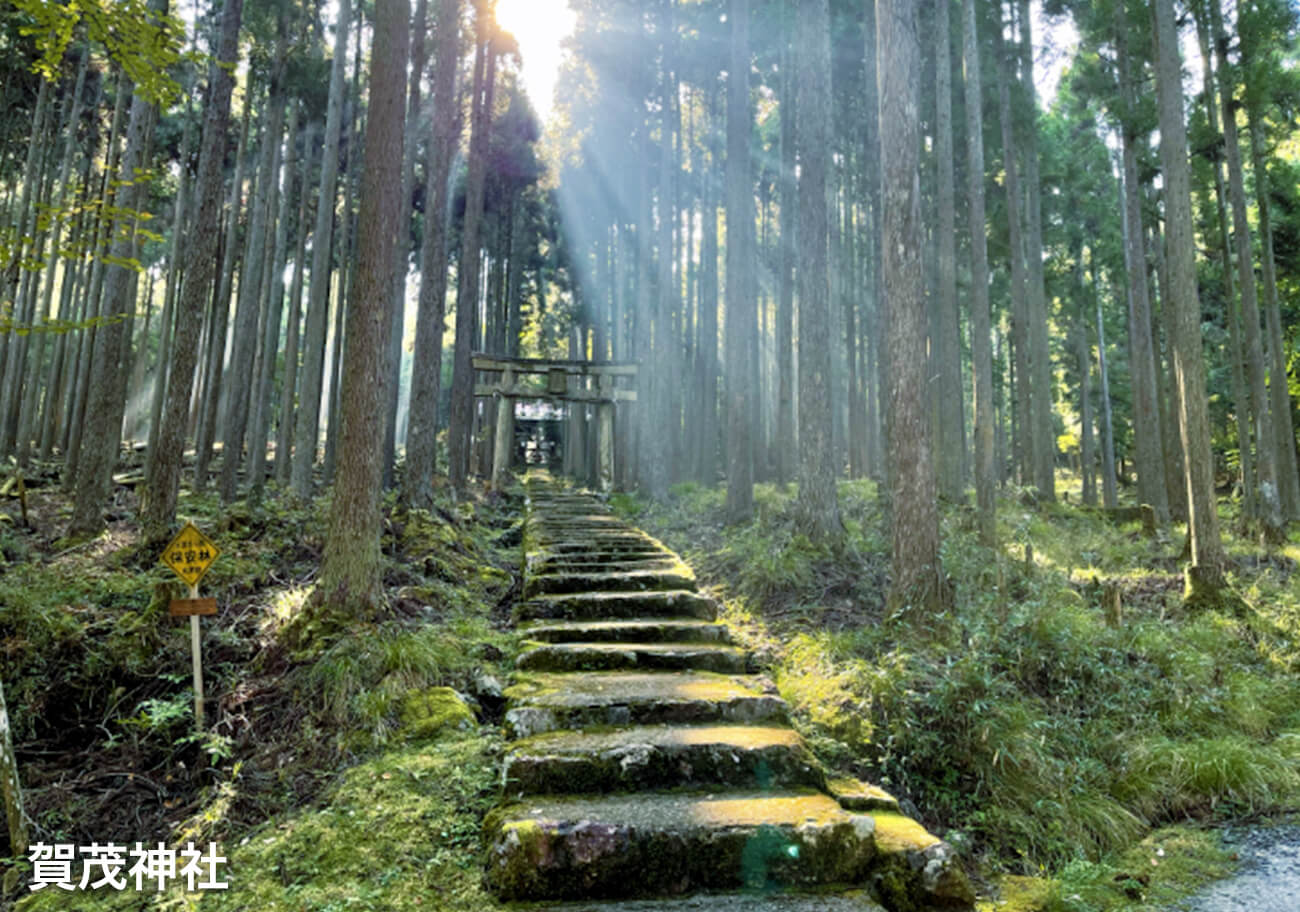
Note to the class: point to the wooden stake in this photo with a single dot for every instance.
(198, 664)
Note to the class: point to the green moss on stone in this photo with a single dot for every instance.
(427, 712)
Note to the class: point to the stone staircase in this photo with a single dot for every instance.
(649, 760)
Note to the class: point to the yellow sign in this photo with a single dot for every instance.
(190, 554)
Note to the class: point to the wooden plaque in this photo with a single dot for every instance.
(186, 607)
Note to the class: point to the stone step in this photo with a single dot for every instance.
(561, 542)
(596, 556)
(655, 845)
(613, 564)
(856, 901)
(629, 656)
(541, 702)
(665, 630)
(660, 757)
(590, 522)
(612, 605)
(680, 577)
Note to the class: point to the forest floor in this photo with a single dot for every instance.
(1078, 763)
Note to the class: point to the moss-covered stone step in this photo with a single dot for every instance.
(611, 605)
(680, 577)
(628, 656)
(650, 757)
(648, 845)
(575, 524)
(614, 563)
(856, 795)
(639, 630)
(541, 702)
(856, 901)
(540, 561)
(566, 542)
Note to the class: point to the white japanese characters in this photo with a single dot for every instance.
(116, 866)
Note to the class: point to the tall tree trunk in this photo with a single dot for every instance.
(1268, 503)
(209, 413)
(1109, 496)
(244, 332)
(785, 422)
(102, 437)
(467, 288)
(273, 310)
(27, 416)
(1232, 316)
(917, 575)
(426, 371)
(1147, 426)
(707, 345)
(1206, 571)
(351, 583)
(1025, 444)
(307, 429)
(1279, 396)
(663, 406)
(740, 313)
(1083, 363)
(817, 502)
(981, 330)
(401, 255)
(1043, 428)
(293, 339)
(951, 440)
(163, 482)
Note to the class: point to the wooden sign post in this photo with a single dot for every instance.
(189, 555)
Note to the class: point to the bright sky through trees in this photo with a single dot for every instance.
(540, 27)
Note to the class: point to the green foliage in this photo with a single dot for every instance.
(1023, 721)
(145, 43)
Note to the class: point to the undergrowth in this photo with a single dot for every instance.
(348, 774)
(1023, 724)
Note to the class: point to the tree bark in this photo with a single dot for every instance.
(1279, 395)
(1025, 444)
(273, 314)
(467, 284)
(293, 339)
(1147, 427)
(163, 481)
(818, 504)
(240, 374)
(917, 582)
(740, 312)
(951, 440)
(307, 424)
(981, 330)
(1203, 520)
(1043, 428)
(351, 583)
(1267, 503)
(426, 371)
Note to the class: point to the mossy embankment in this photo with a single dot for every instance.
(352, 772)
(1034, 726)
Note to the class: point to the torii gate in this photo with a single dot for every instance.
(604, 394)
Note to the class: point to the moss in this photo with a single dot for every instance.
(428, 712)
(1019, 894)
(1204, 591)
(896, 834)
(515, 857)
